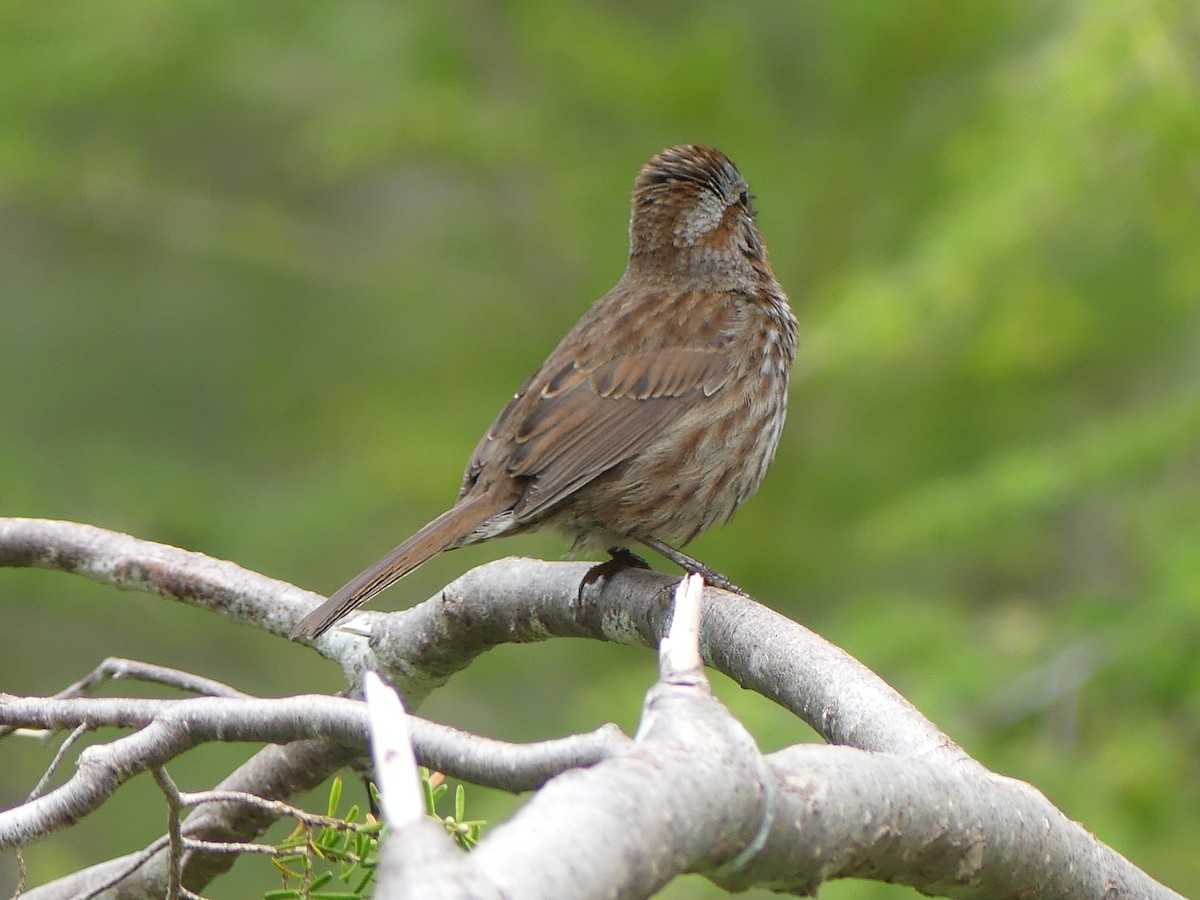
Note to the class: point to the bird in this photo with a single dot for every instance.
(659, 411)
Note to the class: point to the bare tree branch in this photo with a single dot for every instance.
(132, 564)
(833, 812)
(941, 829)
(115, 669)
(519, 600)
(174, 832)
(169, 727)
(787, 822)
(275, 772)
(511, 601)
(915, 809)
(691, 762)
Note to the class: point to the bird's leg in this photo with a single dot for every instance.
(619, 558)
(693, 566)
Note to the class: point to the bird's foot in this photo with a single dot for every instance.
(693, 566)
(713, 578)
(619, 558)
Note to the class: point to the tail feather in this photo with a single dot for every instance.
(446, 531)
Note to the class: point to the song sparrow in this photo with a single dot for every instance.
(657, 414)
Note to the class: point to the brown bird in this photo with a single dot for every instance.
(656, 415)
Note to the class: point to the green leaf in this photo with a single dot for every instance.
(427, 789)
(364, 881)
(321, 879)
(335, 796)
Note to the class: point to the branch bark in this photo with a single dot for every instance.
(787, 822)
(898, 801)
(167, 728)
(510, 601)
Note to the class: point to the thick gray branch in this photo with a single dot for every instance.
(691, 794)
(916, 810)
(511, 601)
(788, 822)
(133, 564)
(947, 832)
(520, 600)
(695, 799)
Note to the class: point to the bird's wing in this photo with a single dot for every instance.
(580, 421)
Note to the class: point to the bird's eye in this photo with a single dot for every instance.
(746, 199)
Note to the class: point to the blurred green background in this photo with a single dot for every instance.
(269, 269)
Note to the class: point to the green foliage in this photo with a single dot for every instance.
(347, 850)
(466, 832)
(268, 276)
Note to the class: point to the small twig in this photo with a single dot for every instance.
(278, 807)
(174, 837)
(232, 847)
(22, 874)
(177, 843)
(136, 863)
(117, 668)
(72, 738)
(277, 770)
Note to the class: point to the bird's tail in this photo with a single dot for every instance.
(446, 531)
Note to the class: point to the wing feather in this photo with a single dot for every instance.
(593, 420)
